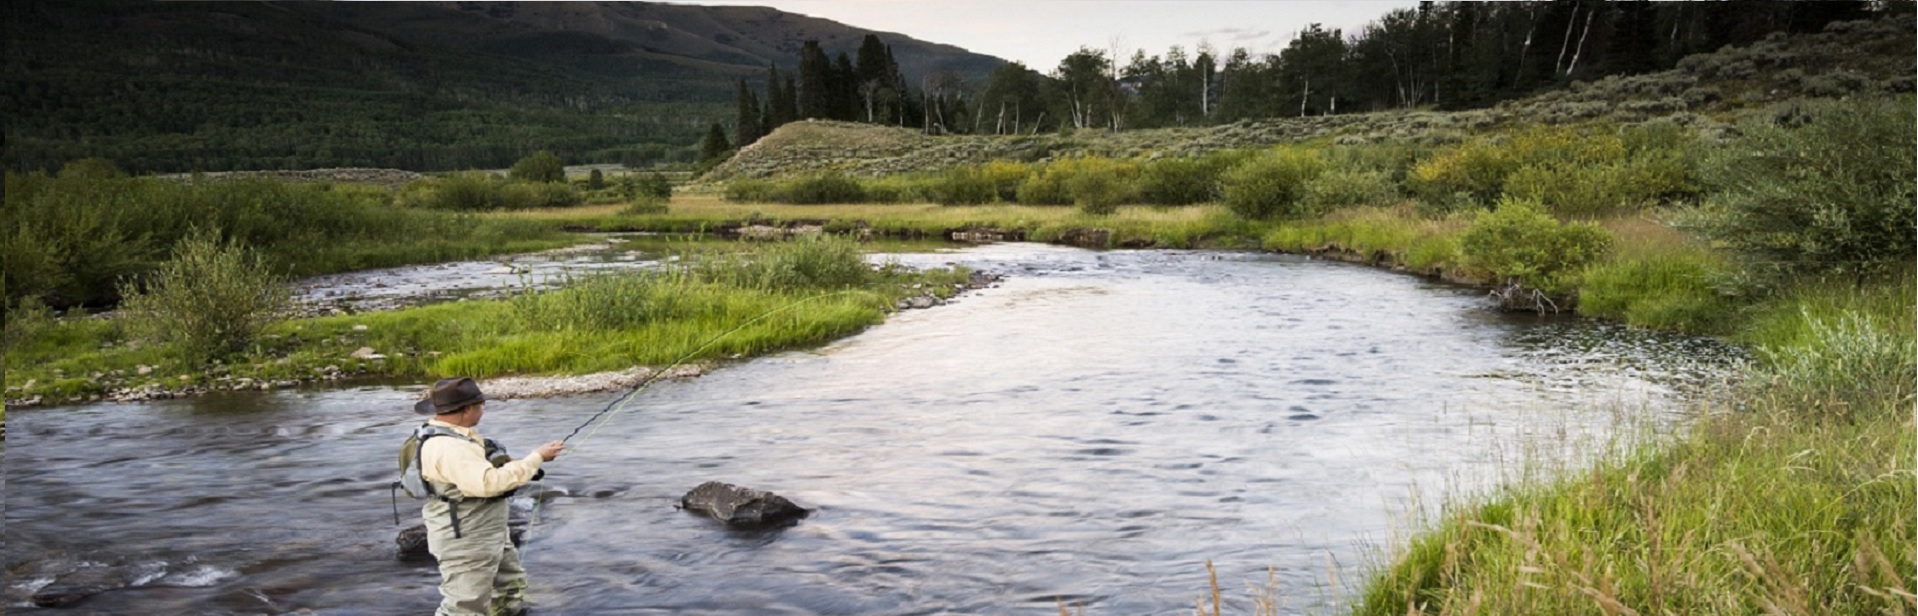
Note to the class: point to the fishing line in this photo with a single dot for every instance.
(620, 404)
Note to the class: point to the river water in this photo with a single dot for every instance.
(1091, 431)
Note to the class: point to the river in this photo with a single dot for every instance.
(1091, 431)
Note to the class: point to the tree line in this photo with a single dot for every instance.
(1446, 55)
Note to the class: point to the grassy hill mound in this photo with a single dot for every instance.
(1705, 93)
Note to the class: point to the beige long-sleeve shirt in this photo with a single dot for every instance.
(462, 462)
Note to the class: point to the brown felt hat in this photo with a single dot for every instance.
(450, 395)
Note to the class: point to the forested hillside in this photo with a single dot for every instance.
(182, 86)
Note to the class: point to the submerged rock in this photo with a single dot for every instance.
(740, 507)
(78, 585)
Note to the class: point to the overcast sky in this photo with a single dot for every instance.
(1042, 32)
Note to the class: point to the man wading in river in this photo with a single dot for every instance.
(480, 572)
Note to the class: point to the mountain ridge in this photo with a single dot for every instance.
(182, 86)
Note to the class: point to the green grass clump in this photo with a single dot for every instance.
(1674, 292)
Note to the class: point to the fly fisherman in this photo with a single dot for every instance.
(480, 572)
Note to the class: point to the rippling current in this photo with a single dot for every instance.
(1091, 431)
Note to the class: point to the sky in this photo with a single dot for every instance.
(1040, 33)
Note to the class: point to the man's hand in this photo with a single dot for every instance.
(550, 450)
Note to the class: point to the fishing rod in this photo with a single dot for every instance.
(619, 404)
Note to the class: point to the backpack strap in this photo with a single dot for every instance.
(427, 431)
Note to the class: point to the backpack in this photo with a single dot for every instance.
(415, 484)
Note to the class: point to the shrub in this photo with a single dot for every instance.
(1476, 169)
(964, 185)
(25, 319)
(542, 166)
(596, 180)
(824, 188)
(1005, 176)
(1180, 181)
(1831, 196)
(1052, 184)
(523, 196)
(1098, 185)
(1042, 186)
(645, 205)
(207, 302)
(655, 184)
(751, 190)
(1339, 188)
(1522, 245)
(1272, 185)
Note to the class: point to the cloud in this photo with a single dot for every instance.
(1237, 35)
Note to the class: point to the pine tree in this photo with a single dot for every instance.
(746, 128)
(815, 82)
(714, 146)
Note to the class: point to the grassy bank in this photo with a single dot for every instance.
(1798, 499)
(778, 296)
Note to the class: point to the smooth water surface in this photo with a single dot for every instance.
(1091, 431)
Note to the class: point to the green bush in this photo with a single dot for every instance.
(1272, 185)
(654, 184)
(25, 320)
(1521, 244)
(821, 189)
(1339, 188)
(900, 189)
(209, 301)
(963, 185)
(1044, 187)
(1181, 181)
(645, 205)
(1005, 176)
(1098, 185)
(542, 166)
(1831, 196)
(751, 190)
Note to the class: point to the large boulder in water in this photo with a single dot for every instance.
(742, 507)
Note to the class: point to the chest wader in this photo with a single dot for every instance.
(417, 486)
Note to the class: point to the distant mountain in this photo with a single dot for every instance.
(178, 86)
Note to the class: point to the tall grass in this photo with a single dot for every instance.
(71, 239)
(1795, 498)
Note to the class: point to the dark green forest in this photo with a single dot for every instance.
(193, 86)
(174, 87)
